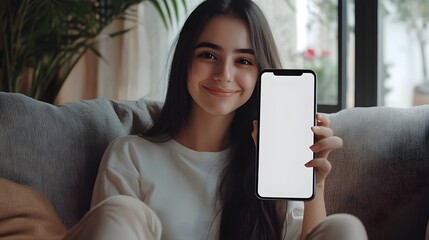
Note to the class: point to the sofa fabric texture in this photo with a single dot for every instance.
(381, 175)
(57, 149)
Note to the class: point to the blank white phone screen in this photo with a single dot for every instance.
(287, 112)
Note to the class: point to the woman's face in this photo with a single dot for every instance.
(223, 70)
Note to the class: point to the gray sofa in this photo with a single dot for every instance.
(381, 175)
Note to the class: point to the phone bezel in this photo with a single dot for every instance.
(285, 72)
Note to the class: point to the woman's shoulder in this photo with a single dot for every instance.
(131, 151)
(128, 139)
(135, 142)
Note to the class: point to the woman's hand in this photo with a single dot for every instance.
(326, 142)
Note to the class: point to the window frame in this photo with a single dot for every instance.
(367, 53)
(342, 61)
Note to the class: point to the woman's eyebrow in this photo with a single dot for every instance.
(208, 45)
(219, 48)
(245, 50)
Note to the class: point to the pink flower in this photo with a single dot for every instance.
(309, 54)
(326, 53)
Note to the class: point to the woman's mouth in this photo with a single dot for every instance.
(220, 92)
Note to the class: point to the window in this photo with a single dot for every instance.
(391, 53)
(365, 53)
(403, 43)
(374, 54)
(307, 36)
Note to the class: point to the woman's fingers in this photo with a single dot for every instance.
(322, 131)
(322, 120)
(323, 168)
(320, 163)
(328, 143)
(324, 146)
(325, 143)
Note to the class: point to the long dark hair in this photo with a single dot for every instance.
(243, 215)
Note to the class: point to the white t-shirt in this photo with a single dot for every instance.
(178, 183)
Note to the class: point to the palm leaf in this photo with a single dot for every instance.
(159, 9)
(167, 7)
(115, 34)
(50, 36)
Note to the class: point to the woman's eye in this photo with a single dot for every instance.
(207, 56)
(245, 62)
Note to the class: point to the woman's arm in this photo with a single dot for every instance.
(117, 174)
(326, 142)
(314, 211)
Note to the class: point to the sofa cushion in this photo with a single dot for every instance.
(381, 174)
(57, 149)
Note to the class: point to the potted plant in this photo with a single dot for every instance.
(41, 41)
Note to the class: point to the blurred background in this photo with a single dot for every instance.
(365, 53)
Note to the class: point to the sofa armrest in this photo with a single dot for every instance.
(381, 173)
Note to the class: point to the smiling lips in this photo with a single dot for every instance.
(220, 92)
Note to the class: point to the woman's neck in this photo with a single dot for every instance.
(205, 132)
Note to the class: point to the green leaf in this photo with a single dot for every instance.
(184, 4)
(115, 34)
(161, 13)
(96, 52)
(167, 7)
(176, 9)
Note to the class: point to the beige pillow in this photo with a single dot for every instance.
(27, 214)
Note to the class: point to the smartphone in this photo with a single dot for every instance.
(287, 109)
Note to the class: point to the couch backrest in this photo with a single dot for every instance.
(57, 149)
(381, 175)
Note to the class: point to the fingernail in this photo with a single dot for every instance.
(314, 148)
(315, 128)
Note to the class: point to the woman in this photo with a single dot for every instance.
(194, 169)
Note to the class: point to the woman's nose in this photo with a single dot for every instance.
(224, 72)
